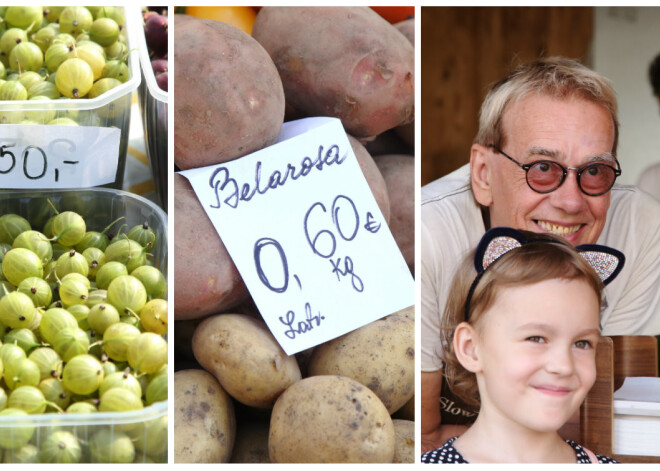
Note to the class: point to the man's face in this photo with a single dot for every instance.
(573, 132)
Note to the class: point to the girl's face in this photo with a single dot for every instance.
(536, 353)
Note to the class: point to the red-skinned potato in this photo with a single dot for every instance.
(399, 174)
(206, 281)
(346, 62)
(229, 97)
(372, 174)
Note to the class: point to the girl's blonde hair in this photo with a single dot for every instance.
(556, 77)
(532, 263)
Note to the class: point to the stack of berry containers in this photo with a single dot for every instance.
(153, 93)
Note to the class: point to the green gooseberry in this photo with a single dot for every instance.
(56, 54)
(26, 56)
(44, 37)
(69, 228)
(93, 56)
(117, 338)
(71, 262)
(126, 251)
(127, 294)
(80, 312)
(53, 320)
(81, 408)
(22, 455)
(153, 280)
(24, 338)
(147, 353)
(108, 272)
(96, 259)
(75, 78)
(37, 289)
(48, 361)
(29, 78)
(111, 446)
(75, 20)
(21, 431)
(28, 18)
(144, 235)
(96, 239)
(10, 38)
(37, 242)
(73, 291)
(11, 226)
(71, 342)
(117, 51)
(101, 316)
(61, 446)
(121, 379)
(16, 310)
(10, 91)
(55, 392)
(83, 374)
(44, 89)
(24, 373)
(116, 69)
(104, 31)
(20, 263)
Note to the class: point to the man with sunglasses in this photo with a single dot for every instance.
(544, 160)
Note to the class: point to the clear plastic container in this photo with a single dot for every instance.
(112, 109)
(146, 428)
(153, 109)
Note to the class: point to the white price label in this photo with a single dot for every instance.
(305, 232)
(52, 157)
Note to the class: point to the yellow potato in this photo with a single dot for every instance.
(380, 355)
(243, 355)
(204, 420)
(330, 419)
(251, 444)
(404, 451)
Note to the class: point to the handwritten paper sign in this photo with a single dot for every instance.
(52, 157)
(306, 234)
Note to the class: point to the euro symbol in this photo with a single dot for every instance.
(371, 225)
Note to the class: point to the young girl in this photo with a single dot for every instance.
(519, 342)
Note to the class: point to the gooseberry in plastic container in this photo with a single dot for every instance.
(83, 384)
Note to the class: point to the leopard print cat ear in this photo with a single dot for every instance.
(606, 261)
(495, 243)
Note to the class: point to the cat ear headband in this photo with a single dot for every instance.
(606, 261)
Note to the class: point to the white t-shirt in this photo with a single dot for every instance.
(452, 226)
(649, 180)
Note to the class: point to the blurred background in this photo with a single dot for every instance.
(465, 49)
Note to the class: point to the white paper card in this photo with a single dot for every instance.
(639, 388)
(305, 232)
(55, 157)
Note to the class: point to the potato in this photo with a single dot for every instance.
(330, 419)
(399, 174)
(373, 176)
(251, 444)
(404, 431)
(407, 412)
(246, 359)
(407, 28)
(346, 62)
(380, 355)
(204, 420)
(206, 281)
(229, 96)
(407, 131)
